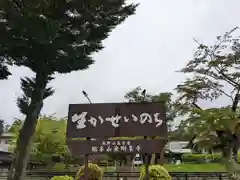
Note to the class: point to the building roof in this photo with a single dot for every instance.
(178, 147)
(3, 150)
(7, 135)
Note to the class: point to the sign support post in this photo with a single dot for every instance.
(86, 163)
(88, 139)
(146, 161)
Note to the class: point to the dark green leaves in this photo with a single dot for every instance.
(214, 72)
(28, 86)
(4, 72)
(138, 95)
(212, 69)
(57, 35)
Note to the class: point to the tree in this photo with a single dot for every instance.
(49, 139)
(4, 71)
(16, 126)
(214, 70)
(136, 95)
(6, 128)
(49, 37)
(1, 126)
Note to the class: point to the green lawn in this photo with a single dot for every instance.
(210, 167)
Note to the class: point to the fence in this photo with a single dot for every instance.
(37, 175)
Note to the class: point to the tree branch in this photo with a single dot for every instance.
(220, 71)
(224, 93)
(197, 106)
(236, 100)
(228, 78)
(17, 4)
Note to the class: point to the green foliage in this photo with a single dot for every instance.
(137, 95)
(62, 178)
(156, 172)
(64, 27)
(202, 158)
(94, 172)
(212, 119)
(16, 126)
(179, 135)
(214, 72)
(4, 71)
(1, 126)
(205, 126)
(31, 88)
(58, 167)
(49, 139)
(49, 37)
(54, 37)
(213, 68)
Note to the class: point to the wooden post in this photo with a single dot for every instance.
(88, 139)
(145, 137)
(146, 163)
(162, 158)
(86, 163)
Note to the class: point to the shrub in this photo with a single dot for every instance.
(103, 163)
(59, 167)
(62, 178)
(201, 158)
(156, 172)
(94, 172)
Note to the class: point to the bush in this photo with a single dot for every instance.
(62, 178)
(94, 172)
(59, 167)
(201, 158)
(156, 172)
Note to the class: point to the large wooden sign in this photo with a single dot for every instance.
(116, 120)
(105, 120)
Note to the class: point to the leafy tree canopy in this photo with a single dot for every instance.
(48, 37)
(16, 126)
(55, 36)
(4, 71)
(137, 95)
(214, 70)
(49, 138)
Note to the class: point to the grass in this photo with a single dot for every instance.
(210, 167)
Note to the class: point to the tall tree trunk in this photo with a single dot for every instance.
(235, 138)
(23, 145)
(232, 167)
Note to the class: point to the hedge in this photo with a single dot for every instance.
(95, 172)
(61, 178)
(203, 158)
(156, 172)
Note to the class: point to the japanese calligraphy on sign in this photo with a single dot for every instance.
(116, 119)
(116, 146)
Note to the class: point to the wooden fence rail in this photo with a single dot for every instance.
(36, 175)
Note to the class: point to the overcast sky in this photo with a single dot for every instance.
(144, 51)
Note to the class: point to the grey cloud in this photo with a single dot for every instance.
(146, 50)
